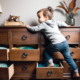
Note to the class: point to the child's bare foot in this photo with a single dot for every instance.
(51, 65)
(76, 74)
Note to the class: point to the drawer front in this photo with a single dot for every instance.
(75, 53)
(71, 37)
(24, 37)
(4, 55)
(4, 37)
(49, 73)
(6, 72)
(44, 39)
(25, 67)
(66, 67)
(67, 71)
(25, 55)
(24, 76)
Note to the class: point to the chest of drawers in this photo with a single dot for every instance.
(24, 62)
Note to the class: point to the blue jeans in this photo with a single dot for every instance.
(62, 47)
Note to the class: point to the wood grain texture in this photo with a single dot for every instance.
(13, 36)
(74, 37)
(11, 71)
(4, 55)
(42, 72)
(30, 67)
(67, 73)
(76, 54)
(58, 55)
(32, 55)
(17, 37)
(4, 37)
(24, 76)
(6, 72)
(73, 33)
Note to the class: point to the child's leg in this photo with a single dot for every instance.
(48, 58)
(51, 64)
(69, 60)
(48, 54)
(76, 74)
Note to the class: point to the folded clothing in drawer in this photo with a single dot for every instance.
(24, 47)
(3, 48)
(4, 65)
(45, 64)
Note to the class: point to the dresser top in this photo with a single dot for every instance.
(25, 27)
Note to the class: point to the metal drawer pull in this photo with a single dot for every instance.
(24, 55)
(24, 37)
(72, 53)
(68, 37)
(49, 73)
(24, 68)
(69, 68)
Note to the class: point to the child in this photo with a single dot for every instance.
(58, 43)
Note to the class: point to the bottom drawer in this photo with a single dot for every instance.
(7, 72)
(23, 76)
(68, 73)
(25, 67)
(4, 54)
(49, 72)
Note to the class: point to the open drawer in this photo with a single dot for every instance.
(7, 72)
(49, 72)
(4, 36)
(4, 54)
(25, 55)
(75, 54)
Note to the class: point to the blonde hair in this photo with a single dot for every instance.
(47, 12)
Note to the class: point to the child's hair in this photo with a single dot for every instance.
(47, 12)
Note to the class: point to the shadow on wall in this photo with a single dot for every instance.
(33, 23)
(2, 24)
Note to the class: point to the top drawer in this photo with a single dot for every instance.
(71, 37)
(3, 37)
(24, 37)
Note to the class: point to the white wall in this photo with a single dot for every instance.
(27, 10)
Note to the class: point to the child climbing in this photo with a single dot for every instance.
(58, 42)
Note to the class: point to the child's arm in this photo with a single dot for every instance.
(68, 25)
(27, 25)
(35, 28)
(62, 24)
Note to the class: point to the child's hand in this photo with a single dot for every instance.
(27, 26)
(68, 25)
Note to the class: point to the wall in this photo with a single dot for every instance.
(27, 10)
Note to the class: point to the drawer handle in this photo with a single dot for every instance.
(24, 37)
(24, 55)
(49, 73)
(68, 37)
(69, 68)
(24, 68)
(72, 53)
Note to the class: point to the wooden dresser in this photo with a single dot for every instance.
(24, 62)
